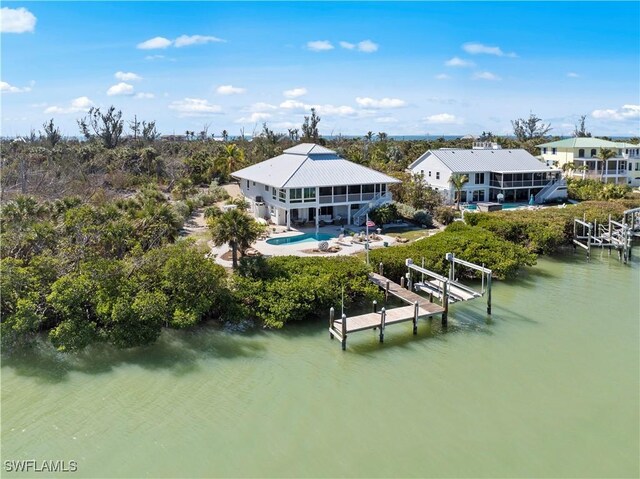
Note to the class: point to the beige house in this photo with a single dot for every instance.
(583, 154)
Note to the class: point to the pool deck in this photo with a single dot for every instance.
(298, 249)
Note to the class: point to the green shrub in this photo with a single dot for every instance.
(444, 215)
(546, 230)
(469, 243)
(423, 218)
(288, 288)
(384, 214)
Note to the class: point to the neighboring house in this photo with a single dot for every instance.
(515, 174)
(312, 183)
(623, 168)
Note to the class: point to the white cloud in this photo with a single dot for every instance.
(459, 62)
(319, 45)
(331, 110)
(573, 75)
(294, 92)
(293, 105)
(79, 104)
(366, 102)
(186, 40)
(367, 46)
(154, 43)
(386, 119)
(7, 88)
(486, 76)
(16, 20)
(119, 89)
(144, 96)
(261, 106)
(441, 119)
(479, 48)
(194, 107)
(442, 76)
(127, 76)
(229, 90)
(255, 117)
(627, 112)
(154, 57)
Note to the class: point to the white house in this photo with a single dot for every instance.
(310, 183)
(515, 174)
(582, 154)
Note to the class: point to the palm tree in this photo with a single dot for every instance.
(458, 181)
(236, 228)
(567, 168)
(583, 169)
(230, 158)
(604, 155)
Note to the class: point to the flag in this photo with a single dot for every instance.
(370, 224)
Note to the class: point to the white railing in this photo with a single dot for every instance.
(546, 192)
(378, 200)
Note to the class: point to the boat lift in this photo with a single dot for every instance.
(612, 235)
(450, 288)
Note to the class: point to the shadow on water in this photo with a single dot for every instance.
(177, 351)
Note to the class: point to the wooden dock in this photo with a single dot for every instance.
(417, 306)
(404, 294)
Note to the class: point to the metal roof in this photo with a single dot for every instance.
(587, 142)
(309, 165)
(463, 161)
(308, 149)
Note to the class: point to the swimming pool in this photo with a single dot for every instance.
(303, 238)
(505, 206)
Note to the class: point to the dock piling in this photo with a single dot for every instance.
(383, 318)
(344, 331)
(445, 303)
(332, 313)
(415, 317)
(489, 293)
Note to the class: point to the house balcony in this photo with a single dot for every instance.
(519, 183)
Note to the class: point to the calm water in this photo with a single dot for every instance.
(548, 387)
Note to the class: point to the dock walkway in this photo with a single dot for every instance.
(417, 306)
(404, 294)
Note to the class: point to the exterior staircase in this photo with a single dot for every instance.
(552, 190)
(360, 216)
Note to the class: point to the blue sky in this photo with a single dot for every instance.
(403, 68)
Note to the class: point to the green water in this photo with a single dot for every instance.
(548, 388)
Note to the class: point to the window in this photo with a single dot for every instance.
(479, 179)
(266, 187)
(325, 191)
(637, 166)
(282, 195)
(580, 153)
(295, 195)
(593, 152)
(544, 151)
(326, 210)
(383, 188)
(309, 195)
(339, 190)
(422, 172)
(273, 193)
(554, 151)
(437, 175)
(247, 184)
(619, 151)
(254, 183)
(429, 173)
(367, 188)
